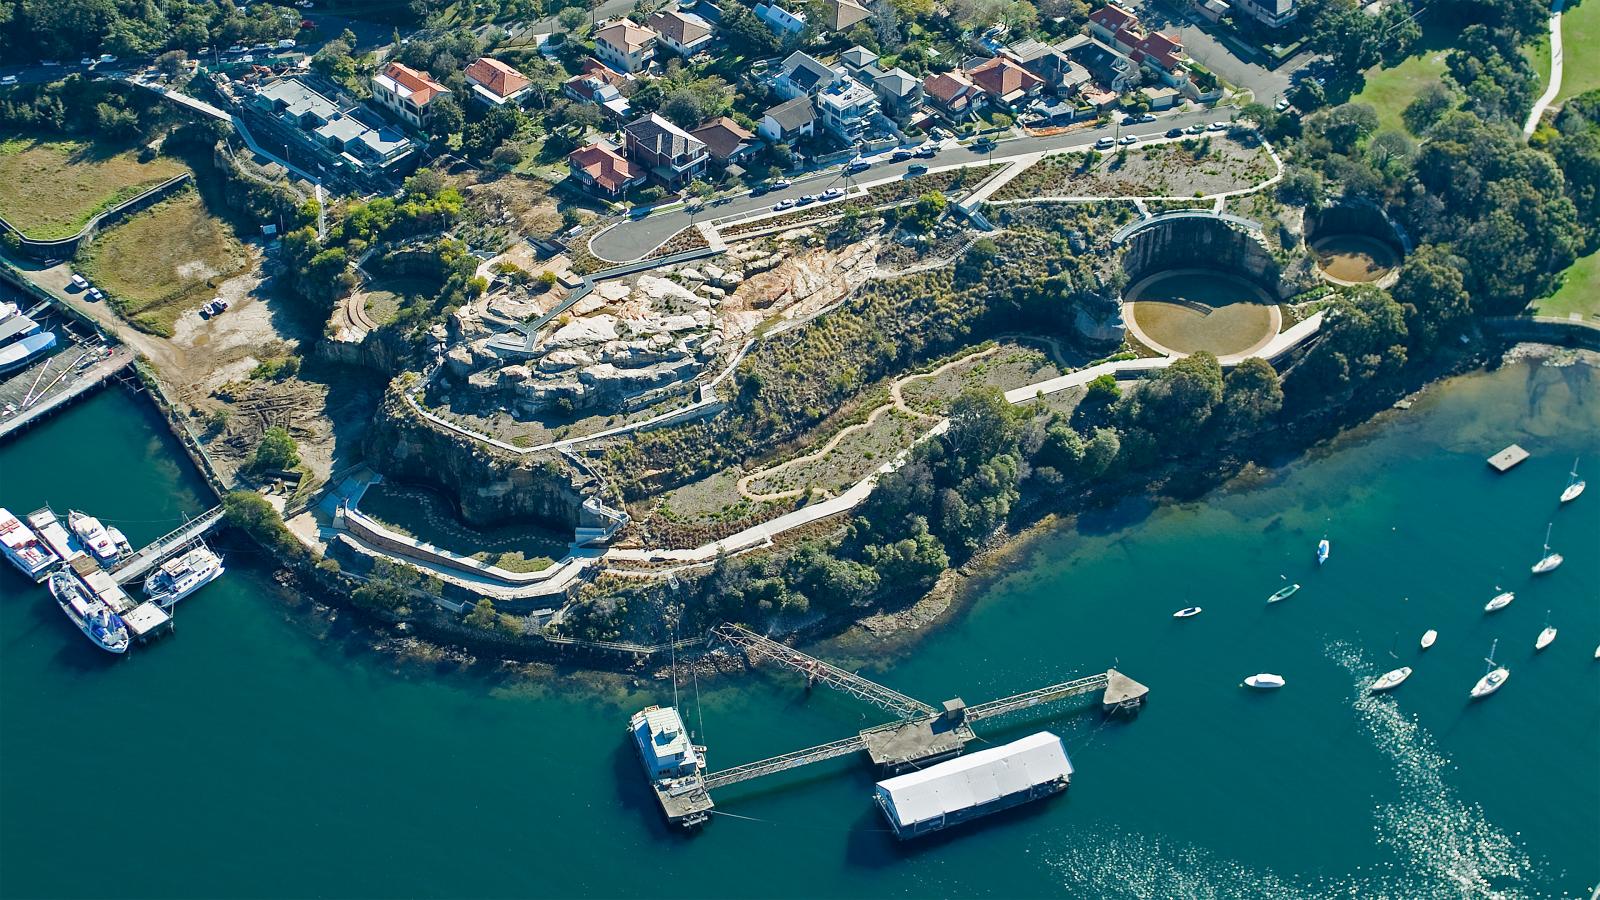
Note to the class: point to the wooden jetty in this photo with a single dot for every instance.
(1506, 459)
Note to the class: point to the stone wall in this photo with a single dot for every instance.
(1205, 243)
(1357, 217)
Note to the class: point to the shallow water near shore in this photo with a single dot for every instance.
(242, 756)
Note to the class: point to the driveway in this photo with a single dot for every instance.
(630, 240)
(1233, 66)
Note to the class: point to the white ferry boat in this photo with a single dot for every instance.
(96, 620)
(181, 576)
(93, 535)
(26, 551)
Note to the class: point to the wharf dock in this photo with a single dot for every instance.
(1508, 458)
(159, 550)
(922, 736)
(58, 380)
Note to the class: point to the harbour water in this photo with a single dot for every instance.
(259, 751)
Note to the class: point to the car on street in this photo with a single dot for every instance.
(780, 184)
(1217, 126)
(1127, 139)
(832, 194)
(1147, 117)
(236, 48)
(1130, 120)
(286, 44)
(759, 189)
(783, 204)
(859, 165)
(49, 62)
(1174, 132)
(916, 169)
(8, 80)
(247, 58)
(1105, 142)
(86, 61)
(983, 144)
(927, 151)
(900, 155)
(1196, 128)
(79, 283)
(940, 134)
(806, 199)
(107, 58)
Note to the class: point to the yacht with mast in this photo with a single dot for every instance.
(1550, 561)
(1575, 485)
(1500, 601)
(1547, 636)
(1492, 680)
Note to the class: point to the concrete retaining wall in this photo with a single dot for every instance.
(1201, 242)
(67, 247)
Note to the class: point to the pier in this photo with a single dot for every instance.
(154, 553)
(921, 737)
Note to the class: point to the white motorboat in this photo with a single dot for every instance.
(1547, 636)
(1428, 637)
(1500, 601)
(93, 535)
(118, 538)
(1575, 485)
(181, 576)
(1492, 680)
(1264, 681)
(1322, 551)
(31, 555)
(1391, 680)
(92, 616)
(1186, 612)
(1550, 561)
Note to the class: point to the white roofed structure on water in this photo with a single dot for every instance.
(975, 785)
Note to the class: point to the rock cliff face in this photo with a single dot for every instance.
(491, 487)
(1202, 243)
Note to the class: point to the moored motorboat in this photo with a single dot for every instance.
(93, 535)
(118, 538)
(1186, 612)
(1575, 485)
(182, 575)
(1322, 551)
(1428, 637)
(1492, 680)
(1550, 561)
(96, 620)
(1546, 637)
(27, 551)
(1391, 680)
(1283, 593)
(1265, 681)
(1500, 601)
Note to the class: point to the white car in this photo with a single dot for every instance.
(832, 194)
(95, 294)
(1217, 126)
(79, 282)
(86, 61)
(1127, 139)
(782, 205)
(107, 58)
(286, 44)
(247, 58)
(1105, 143)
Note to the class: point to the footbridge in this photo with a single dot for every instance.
(923, 735)
(165, 546)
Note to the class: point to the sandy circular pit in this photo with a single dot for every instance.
(1354, 258)
(1185, 311)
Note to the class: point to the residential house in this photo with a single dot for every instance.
(802, 75)
(407, 93)
(857, 58)
(842, 14)
(1061, 75)
(683, 33)
(1271, 13)
(495, 83)
(788, 121)
(340, 134)
(1158, 53)
(725, 140)
(625, 46)
(1107, 66)
(664, 150)
(601, 169)
(599, 85)
(846, 107)
(952, 94)
(1006, 82)
(781, 21)
(899, 92)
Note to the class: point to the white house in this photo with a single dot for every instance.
(781, 20)
(625, 46)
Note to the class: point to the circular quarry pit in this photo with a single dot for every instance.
(1352, 258)
(1182, 311)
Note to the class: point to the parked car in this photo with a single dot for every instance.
(8, 80)
(260, 48)
(1147, 117)
(1129, 120)
(247, 58)
(857, 166)
(107, 58)
(1196, 128)
(927, 151)
(832, 194)
(1174, 132)
(940, 134)
(1104, 143)
(49, 62)
(759, 190)
(79, 283)
(1281, 105)
(286, 44)
(805, 199)
(236, 48)
(983, 144)
(1127, 139)
(783, 204)
(916, 169)
(86, 61)
(95, 295)
(307, 24)
(780, 184)
(1217, 126)
(901, 155)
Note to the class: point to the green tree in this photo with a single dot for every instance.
(483, 616)
(1251, 395)
(1433, 293)
(1433, 101)
(277, 451)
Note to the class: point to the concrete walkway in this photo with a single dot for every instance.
(1554, 87)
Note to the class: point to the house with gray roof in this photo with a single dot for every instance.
(788, 121)
(803, 75)
(668, 153)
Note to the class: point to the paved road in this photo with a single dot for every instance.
(633, 239)
(1233, 66)
(1556, 62)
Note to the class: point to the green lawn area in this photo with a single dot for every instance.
(1580, 41)
(163, 263)
(50, 189)
(1579, 293)
(1391, 90)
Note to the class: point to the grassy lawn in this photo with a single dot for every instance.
(1580, 41)
(1579, 293)
(162, 263)
(1391, 90)
(49, 189)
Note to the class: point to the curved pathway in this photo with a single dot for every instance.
(1554, 87)
(896, 402)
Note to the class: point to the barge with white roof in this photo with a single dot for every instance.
(974, 785)
(674, 765)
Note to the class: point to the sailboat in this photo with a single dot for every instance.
(1493, 679)
(1547, 636)
(1575, 485)
(1322, 551)
(1550, 561)
(1500, 601)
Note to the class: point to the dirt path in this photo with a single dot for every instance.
(896, 402)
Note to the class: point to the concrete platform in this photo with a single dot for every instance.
(906, 745)
(1507, 458)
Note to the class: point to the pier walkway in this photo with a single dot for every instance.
(158, 550)
(755, 645)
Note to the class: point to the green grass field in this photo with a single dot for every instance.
(1580, 42)
(50, 189)
(1391, 90)
(1579, 293)
(163, 263)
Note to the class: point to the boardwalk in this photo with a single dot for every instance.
(153, 554)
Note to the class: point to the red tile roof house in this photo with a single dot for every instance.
(496, 83)
(1160, 53)
(952, 94)
(1006, 82)
(407, 93)
(597, 83)
(601, 169)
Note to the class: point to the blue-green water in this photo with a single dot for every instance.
(249, 755)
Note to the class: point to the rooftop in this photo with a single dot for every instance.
(626, 35)
(793, 113)
(408, 82)
(601, 162)
(722, 136)
(661, 137)
(496, 77)
(680, 27)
